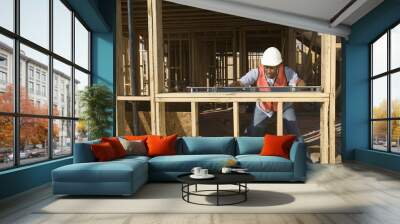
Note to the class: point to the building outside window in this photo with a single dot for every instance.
(34, 73)
(30, 87)
(385, 94)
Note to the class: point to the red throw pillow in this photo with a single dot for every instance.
(116, 145)
(103, 151)
(135, 137)
(161, 145)
(277, 145)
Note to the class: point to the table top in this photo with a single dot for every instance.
(220, 178)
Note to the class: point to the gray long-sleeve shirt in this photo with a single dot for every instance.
(251, 77)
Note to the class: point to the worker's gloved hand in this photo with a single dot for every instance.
(236, 84)
(300, 82)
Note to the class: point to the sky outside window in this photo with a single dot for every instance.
(7, 14)
(62, 29)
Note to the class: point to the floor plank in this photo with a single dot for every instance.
(377, 190)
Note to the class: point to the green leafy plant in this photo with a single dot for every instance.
(96, 102)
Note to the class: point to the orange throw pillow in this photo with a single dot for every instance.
(135, 137)
(277, 145)
(116, 145)
(103, 151)
(161, 145)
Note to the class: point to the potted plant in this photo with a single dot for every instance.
(96, 102)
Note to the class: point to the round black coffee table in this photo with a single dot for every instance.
(238, 179)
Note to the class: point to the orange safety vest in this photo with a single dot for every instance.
(263, 84)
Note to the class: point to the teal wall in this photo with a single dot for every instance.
(99, 15)
(356, 85)
(24, 178)
(103, 56)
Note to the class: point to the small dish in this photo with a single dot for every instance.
(208, 176)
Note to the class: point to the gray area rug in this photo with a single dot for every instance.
(166, 198)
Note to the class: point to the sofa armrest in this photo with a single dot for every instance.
(299, 159)
(83, 152)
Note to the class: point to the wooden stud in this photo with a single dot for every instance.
(236, 123)
(120, 106)
(156, 64)
(279, 119)
(324, 139)
(195, 118)
(332, 102)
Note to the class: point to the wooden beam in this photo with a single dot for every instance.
(332, 102)
(120, 106)
(160, 126)
(133, 98)
(279, 119)
(195, 118)
(253, 95)
(156, 58)
(151, 38)
(236, 123)
(324, 139)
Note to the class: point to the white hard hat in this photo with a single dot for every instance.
(271, 57)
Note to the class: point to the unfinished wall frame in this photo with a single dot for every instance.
(158, 95)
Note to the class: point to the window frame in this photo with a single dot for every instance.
(388, 74)
(16, 114)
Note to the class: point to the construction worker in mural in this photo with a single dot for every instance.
(271, 72)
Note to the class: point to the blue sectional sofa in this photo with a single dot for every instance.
(125, 176)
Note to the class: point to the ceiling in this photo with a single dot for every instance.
(315, 15)
(323, 16)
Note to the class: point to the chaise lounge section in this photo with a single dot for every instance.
(125, 176)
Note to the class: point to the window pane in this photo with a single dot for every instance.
(62, 138)
(379, 55)
(6, 142)
(62, 89)
(81, 45)
(395, 95)
(7, 14)
(62, 29)
(34, 97)
(395, 136)
(81, 81)
(379, 97)
(379, 135)
(33, 139)
(395, 47)
(81, 131)
(35, 21)
(6, 74)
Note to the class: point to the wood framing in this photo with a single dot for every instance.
(216, 55)
(328, 83)
(279, 119)
(156, 54)
(332, 102)
(195, 118)
(236, 127)
(120, 105)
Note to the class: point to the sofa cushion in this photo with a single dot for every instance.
(83, 152)
(116, 145)
(249, 145)
(185, 163)
(257, 163)
(103, 152)
(134, 147)
(161, 145)
(111, 171)
(207, 145)
(277, 145)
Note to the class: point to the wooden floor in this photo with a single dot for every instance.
(378, 189)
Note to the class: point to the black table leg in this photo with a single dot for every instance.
(196, 187)
(245, 193)
(217, 194)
